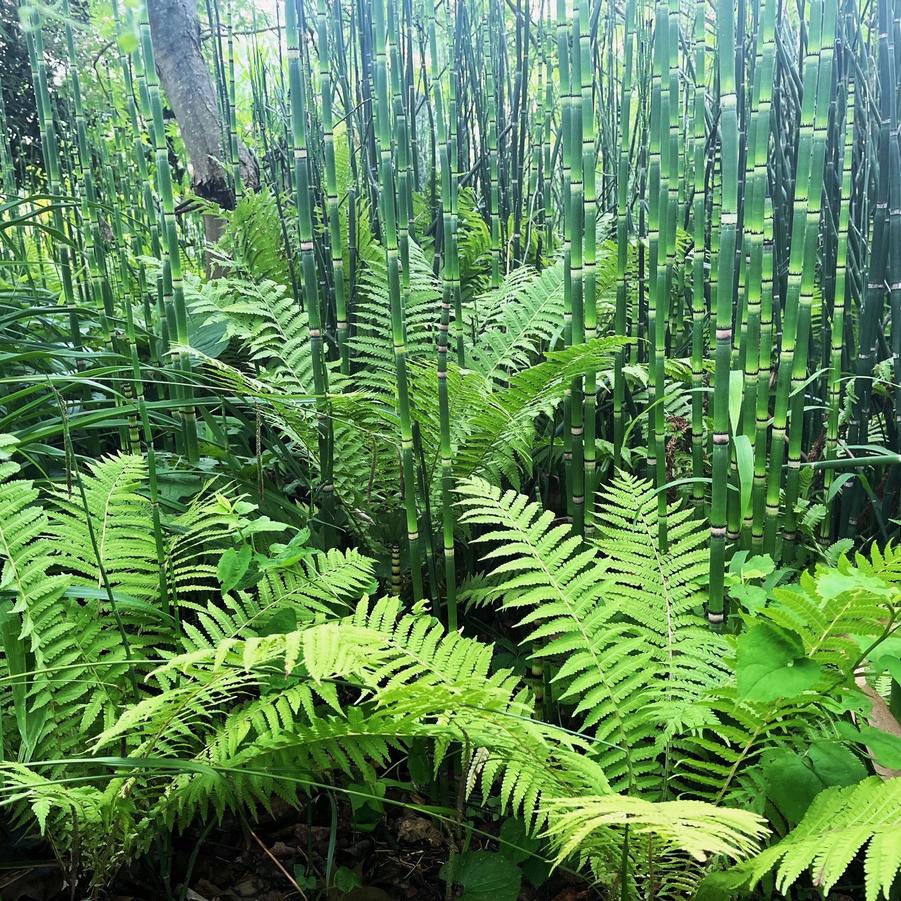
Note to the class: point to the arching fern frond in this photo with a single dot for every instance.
(254, 238)
(372, 344)
(266, 319)
(840, 823)
(607, 668)
(46, 632)
(517, 319)
(695, 828)
(660, 590)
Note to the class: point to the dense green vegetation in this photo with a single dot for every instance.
(496, 404)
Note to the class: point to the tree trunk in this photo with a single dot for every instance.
(185, 78)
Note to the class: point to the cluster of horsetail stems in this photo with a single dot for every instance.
(740, 165)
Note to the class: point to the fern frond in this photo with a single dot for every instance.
(254, 238)
(840, 823)
(660, 590)
(517, 320)
(263, 317)
(122, 523)
(558, 588)
(832, 606)
(47, 633)
(693, 827)
(372, 344)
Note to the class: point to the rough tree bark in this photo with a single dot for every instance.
(185, 77)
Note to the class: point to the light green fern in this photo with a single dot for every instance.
(840, 823)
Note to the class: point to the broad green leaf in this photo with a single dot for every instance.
(837, 483)
(885, 748)
(233, 565)
(771, 664)
(793, 779)
(485, 876)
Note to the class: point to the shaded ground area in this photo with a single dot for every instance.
(322, 852)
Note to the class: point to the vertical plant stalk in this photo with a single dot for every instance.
(840, 302)
(563, 69)
(622, 230)
(725, 44)
(388, 220)
(699, 259)
(755, 236)
(823, 36)
(51, 154)
(577, 227)
(303, 200)
(447, 293)
(331, 184)
(589, 256)
(169, 233)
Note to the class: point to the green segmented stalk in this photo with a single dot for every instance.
(404, 170)
(563, 68)
(546, 211)
(589, 259)
(799, 237)
(172, 275)
(231, 109)
(493, 195)
(659, 251)
(622, 231)
(447, 294)
(766, 65)
(762, 394)
(814, 194)
(840, 302)
(724, 303)
(699, 259)
(331, 186)
(453, 256)
(653, 229)
(303, 192)
(755, 232)
(890, 68)
(670, 214)
(577, 225)
(388, 218)
(51, 155)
